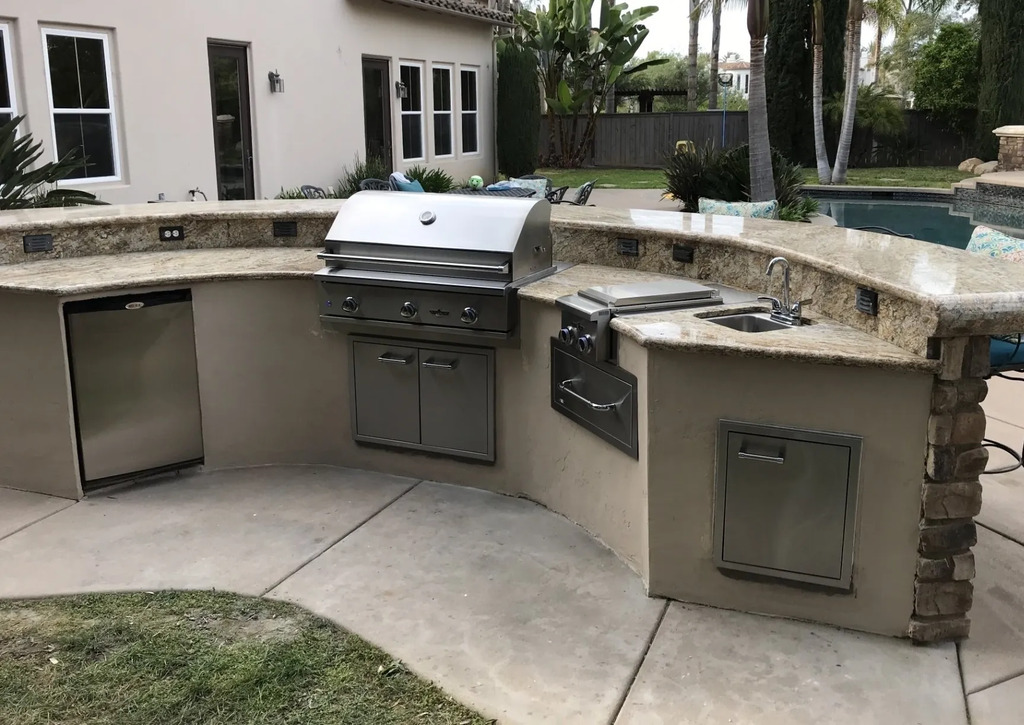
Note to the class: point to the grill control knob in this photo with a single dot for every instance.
(351, 304)
(568, 334)
(469, 316)
(585, 344)
(408, 310)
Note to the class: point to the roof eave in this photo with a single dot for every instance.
(453, 13)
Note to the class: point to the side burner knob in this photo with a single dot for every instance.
(408, 310)
(568, 334)
(585, 344)
(351, 304)
(469, 316)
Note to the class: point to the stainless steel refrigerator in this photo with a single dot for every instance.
(134, 384)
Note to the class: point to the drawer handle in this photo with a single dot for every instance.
(566, 387)
(441, 365)
(395, 359)
(764, 459)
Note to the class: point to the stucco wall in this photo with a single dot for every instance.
(303, 136)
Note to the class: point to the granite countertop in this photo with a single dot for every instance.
(822, 341)
(108, 272)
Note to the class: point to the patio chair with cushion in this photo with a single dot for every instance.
(748, 209)
(312, 192)
(555, 196)
(539, 184)
(401, 182)
(583, 194)
(374, 185)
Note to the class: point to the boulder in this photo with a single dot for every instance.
(986, 168)
(969, 165)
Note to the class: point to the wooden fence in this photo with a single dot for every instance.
(642, 140)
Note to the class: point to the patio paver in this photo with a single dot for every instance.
(715, 666)
(242, 530)
(21, 508)
(999, 705)
(507, 606)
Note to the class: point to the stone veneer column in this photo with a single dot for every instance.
(951, 493)
(1011, 148)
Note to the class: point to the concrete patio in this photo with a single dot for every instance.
(516, 611)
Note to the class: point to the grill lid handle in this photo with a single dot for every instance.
(499, 268)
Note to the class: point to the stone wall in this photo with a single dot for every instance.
(1011, 148)
(951, 493)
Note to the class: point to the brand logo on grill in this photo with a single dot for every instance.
(440, 313)
(135, 305)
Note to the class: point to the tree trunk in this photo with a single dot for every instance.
(762, 184)
(853, 28)
(878, 51)
(820, 150)
(691, 84)
(716, 43)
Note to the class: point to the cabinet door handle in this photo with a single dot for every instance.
(764, 459)
(566, 387)
(395, 359)
(451, 365)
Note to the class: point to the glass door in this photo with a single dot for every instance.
(232, 129)
(377, 110)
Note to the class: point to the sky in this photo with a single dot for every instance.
(670, 33)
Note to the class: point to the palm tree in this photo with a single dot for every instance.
(762, 184)
(716, 43)
(697, 9)
(818, 41)
(885, 15)
(854, 23)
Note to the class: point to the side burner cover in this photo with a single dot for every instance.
(623, 296)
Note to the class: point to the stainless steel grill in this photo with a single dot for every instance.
(447, 264)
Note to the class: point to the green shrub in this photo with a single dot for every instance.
(517, 131)
(432, 180)
(293, 193)
(348, 183)
(725, 175)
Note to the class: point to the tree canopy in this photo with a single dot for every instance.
(1001, 88)
(947, 71)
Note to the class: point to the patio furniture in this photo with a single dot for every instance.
(582, 194)
(374, 185)
(533, 182)
(312, 192)
(555, 196)
(513, 193)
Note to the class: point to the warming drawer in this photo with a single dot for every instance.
(785, 503)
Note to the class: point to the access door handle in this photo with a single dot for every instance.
(757, 457)
(395, 359)
(566, 387)
(451, 365)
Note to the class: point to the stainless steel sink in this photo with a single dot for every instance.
(749, 322)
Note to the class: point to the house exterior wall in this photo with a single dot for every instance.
(161, 85)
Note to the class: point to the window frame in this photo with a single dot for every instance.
(475, 70)
(420, 66)
(450, 112)
(111, 111)
(5, 32)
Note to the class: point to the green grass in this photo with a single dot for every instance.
(936, 177)
(200, 657)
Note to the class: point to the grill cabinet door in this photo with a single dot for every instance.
(386, 392)
(456, 400)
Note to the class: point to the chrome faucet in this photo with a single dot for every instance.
(782, 311)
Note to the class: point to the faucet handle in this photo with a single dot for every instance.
(776, 304)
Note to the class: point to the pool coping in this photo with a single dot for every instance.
(879, 193)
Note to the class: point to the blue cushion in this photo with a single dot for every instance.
(1002, 353)
(749, 209)
(412, 185)
(994, 243)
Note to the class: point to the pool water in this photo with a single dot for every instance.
(930, 221)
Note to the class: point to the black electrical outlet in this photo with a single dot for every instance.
(37, 243)
(682, 253)
(172, 234)
(628, 247)
(286, 229)
(867, 301)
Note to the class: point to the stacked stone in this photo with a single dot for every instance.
(951, 494)
(1011, 153)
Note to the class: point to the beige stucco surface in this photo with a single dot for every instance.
(302, 136)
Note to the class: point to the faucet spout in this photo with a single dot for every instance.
(785, 278)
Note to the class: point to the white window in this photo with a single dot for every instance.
(444, 132)
(412, 112)
(81, 93)
(8, 105)
(468, 110)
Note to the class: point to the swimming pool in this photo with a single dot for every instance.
(931, 221)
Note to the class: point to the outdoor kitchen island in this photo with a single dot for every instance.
(884, 404)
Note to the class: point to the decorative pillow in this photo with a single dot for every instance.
(986, 240)
(538, 185)
(750, 209)
(411, 185)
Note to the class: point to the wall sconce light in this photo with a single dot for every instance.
(400, 90)
(276, 82)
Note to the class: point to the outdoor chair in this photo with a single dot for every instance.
(312, 192)
(583, 194)
(547, 181)
(555, 196)
(374, 185)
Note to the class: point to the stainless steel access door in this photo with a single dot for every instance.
(135, 384)
(386, 392)
(456, 401)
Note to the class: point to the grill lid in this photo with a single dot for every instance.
(440, 221)
(618, 296)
